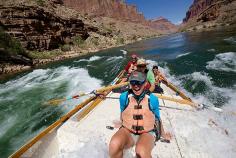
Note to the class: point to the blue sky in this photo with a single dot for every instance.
(174, 10)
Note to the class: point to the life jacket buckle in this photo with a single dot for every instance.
(138, 107)
(137, 128)
(137, 117)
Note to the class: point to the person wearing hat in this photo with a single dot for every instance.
(142, 67)
(131, 66)
(139, 117)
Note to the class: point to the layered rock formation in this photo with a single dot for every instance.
(49, 24)
(38, 29)
(107, 8)
(119, 10)
(210, 13)
(163, 25)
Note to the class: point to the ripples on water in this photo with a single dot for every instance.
(203, 65)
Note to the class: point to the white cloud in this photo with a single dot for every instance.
(178, 23)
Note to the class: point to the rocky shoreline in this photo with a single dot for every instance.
(50, 32)
(9, 69)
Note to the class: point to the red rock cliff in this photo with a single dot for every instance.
(109, 8)
(119, 10)
(209, 10)
(163, 24)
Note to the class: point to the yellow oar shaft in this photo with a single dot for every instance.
(181, 101)
(58, 101)
(112, 87)
(171, 86)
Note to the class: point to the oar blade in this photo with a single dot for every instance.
(55, 101)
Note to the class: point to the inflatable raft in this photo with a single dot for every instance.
(86, 130)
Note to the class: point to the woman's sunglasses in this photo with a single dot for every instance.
(141, 66)
(134, 82)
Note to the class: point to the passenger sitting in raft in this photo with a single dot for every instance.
(159, 77)
(139, 117)
(142, 67)
(130, 67)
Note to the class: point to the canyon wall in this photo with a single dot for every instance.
(210, 13)
(109, 8)
(38, 29)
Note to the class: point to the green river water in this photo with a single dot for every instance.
(202, 64)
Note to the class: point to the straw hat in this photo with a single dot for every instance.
(141, 61)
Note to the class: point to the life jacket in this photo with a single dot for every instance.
(138, 117)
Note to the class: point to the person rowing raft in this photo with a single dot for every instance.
(159, 77)
(139, 117)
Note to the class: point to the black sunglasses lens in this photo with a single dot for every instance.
(136, 83)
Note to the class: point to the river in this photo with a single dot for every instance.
(202, 64)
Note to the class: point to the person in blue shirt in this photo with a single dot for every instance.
(140, 117)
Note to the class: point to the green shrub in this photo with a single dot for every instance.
(44, 55)
(66, 48)
(40, 2)
(120, 40)
(11, 45)
(77, 40)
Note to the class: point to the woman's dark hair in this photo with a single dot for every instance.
(155, 67)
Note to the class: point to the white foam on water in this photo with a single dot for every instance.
(76, 78)
(151, 63)
(114, 58)
(211, 50)
(181, 55)
(223, 62)
(93, 58)
(79, 79)
(231, 40)
(69, 82)
(221, 138)
(7, 124)
(124, 51)
(25, 81)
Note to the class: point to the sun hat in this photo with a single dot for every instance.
(141, 61)
(137, 76)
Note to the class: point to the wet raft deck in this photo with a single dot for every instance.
(89, 137)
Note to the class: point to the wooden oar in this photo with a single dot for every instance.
(174, 88)
(55, 125)
(181, 101)
(58, 101)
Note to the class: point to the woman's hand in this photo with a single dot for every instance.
(166, 137)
